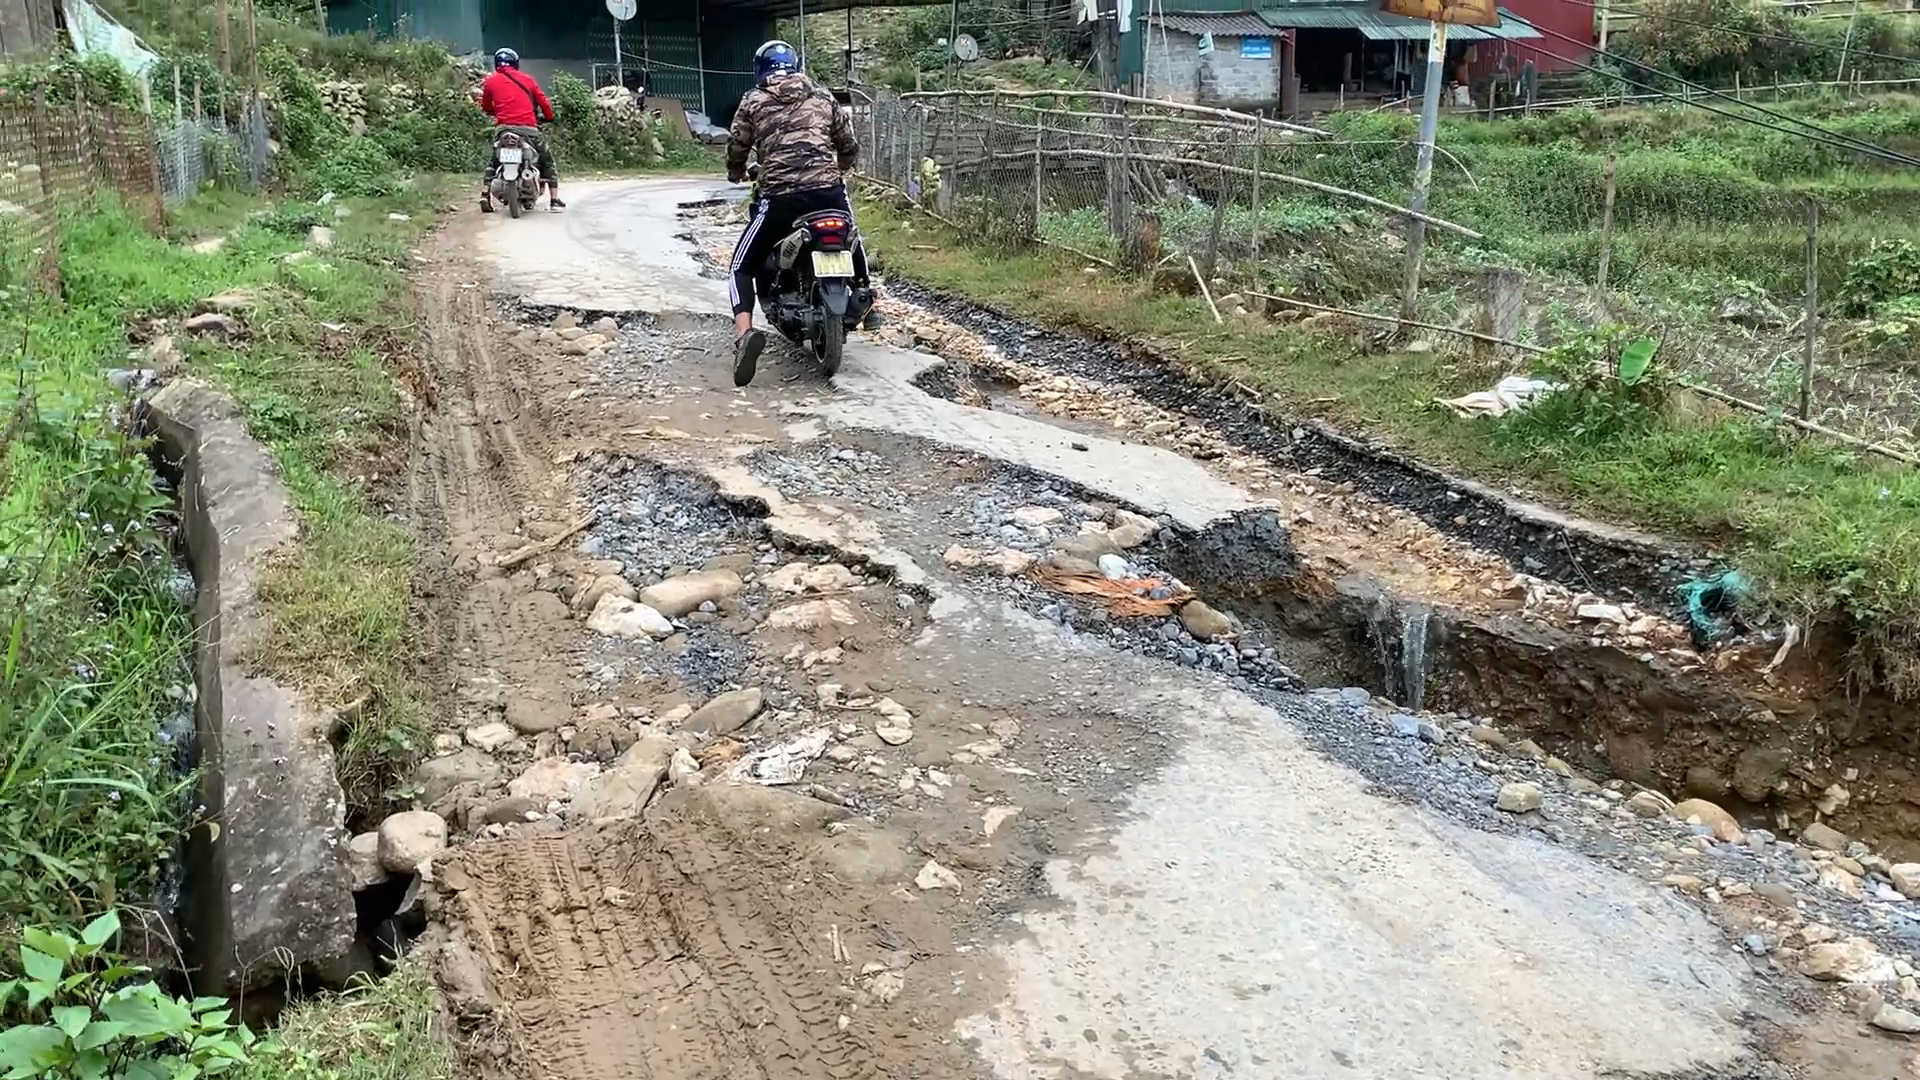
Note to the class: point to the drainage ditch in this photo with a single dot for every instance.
(1774, 747)
(263, 910)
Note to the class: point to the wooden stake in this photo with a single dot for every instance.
(1206, 292)
(1606, 242)
(1813, 309)
(542, 547)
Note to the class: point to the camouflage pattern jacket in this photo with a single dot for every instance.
(802, 137)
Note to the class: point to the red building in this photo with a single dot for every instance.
(1553, 17)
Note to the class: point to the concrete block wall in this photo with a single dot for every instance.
(1222, 78)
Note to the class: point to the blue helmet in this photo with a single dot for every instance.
(506, 58)
(774, 58)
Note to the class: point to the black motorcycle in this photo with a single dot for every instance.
(815, 297)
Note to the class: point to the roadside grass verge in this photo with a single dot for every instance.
(95, 637)
(325, 334)
(1829, 534)
(381, 1030)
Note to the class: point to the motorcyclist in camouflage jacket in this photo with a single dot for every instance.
(805, 145)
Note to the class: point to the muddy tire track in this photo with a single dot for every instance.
(477, 485)
(656, 949)
(678, 946)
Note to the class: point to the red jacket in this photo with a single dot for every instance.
(509, 97)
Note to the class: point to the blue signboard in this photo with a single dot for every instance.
(1256, 48)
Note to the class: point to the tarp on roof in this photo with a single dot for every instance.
(1225, 24)
(1375, 25)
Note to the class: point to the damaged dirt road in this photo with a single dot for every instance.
(767, 757)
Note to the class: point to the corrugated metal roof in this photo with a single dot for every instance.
(1376, 25)
(1220, 24)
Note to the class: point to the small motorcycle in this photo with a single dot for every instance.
(516, 173)
(815, 299)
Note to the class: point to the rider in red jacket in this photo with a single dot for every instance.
(516, 103)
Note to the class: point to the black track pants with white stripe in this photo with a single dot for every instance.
(773, 219)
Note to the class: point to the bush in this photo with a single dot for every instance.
(306, 127)
(447, 133)
(1610, 389)
(101, 78)
(587, 135)
(77, 1016)
(1889, 271)
(358, 166)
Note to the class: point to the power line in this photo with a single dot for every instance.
(1662, 16)
(1814, 132)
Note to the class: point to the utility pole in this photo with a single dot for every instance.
(320, 15)
(1423, 170)
(1603, 25)
(1107, 54)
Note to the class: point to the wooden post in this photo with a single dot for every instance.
(1125, 192)
(1039, 135)
(225, 20)
(1606, 242)
(253, 51)
(1259, 135)
(1813, 309)
(1213, 230)
(42, 140)
(179, 136)
(1846, 45)
(256, 119)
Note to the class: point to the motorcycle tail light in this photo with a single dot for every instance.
(509, 140)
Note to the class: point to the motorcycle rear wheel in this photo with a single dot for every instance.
(830, 344)
(513, 203)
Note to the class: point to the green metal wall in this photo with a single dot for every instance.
(453, 23)
(698, 61)
(730, 42)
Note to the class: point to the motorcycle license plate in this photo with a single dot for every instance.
(833, 264)
(510, 154)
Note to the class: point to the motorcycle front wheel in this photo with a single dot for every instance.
(828, 346)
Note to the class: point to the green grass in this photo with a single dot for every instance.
(94, 642)
(1830, 533)
(379, 1031)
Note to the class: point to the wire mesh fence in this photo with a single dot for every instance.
(1529, 239)
(194, 153)
(1111, 177)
